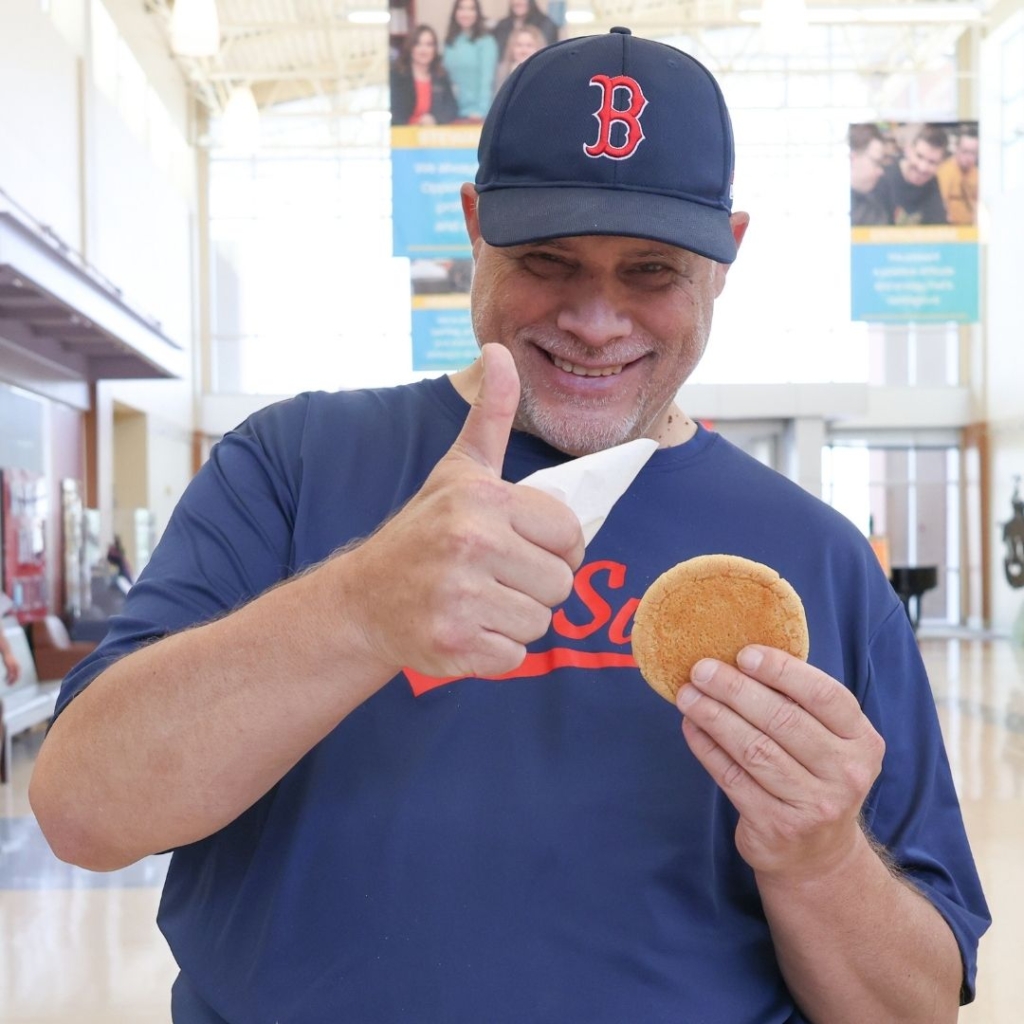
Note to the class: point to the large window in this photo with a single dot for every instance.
(908, 491)
(306, 293)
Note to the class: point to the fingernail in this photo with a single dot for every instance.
(749, 659)
(686, 696)
(702, 671)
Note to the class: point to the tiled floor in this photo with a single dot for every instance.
(76, 947)
(81, 948)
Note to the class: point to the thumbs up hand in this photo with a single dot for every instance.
(466, 574)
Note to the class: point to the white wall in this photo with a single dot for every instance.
(1002, 190)
(72, 162)
(39, 165)
(1005, 376)
(139, 224)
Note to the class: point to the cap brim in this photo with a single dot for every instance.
(523, 214)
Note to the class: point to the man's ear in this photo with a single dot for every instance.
(469, 199)
(739, 222)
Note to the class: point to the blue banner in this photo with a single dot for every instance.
(426, 177)
(442, 333)
(914, 279)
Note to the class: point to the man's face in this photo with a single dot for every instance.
(867, 166)
(967, 153)
(921, 162)
(604, 330)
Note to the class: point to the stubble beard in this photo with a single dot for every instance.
(570, 429)
(565, 424)
(580, 425)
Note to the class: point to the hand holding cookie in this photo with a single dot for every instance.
(788, 744)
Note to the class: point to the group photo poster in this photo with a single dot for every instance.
(913, 221)
(447, 61)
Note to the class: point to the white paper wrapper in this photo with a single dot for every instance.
(591, 485)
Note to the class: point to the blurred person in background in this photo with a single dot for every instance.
(421, 91)
(7, 658)
(520, 13)
(867, 165)
(958, 178)
(471, 57)
(908, 189)
(522, 42)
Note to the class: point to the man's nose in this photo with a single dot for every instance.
(595, 318)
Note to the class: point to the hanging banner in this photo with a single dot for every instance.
(442, 332)
(913, 216)
(428, 167)
(929, 274)
(444, 73)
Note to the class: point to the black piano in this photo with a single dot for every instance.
(911, 582)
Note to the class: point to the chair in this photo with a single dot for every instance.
(54, 650)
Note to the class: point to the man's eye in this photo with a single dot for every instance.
(652, 270)
(545, 263)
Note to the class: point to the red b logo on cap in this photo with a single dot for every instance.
(608, 115)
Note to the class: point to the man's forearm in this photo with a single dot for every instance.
(863, 945)
(175, 740)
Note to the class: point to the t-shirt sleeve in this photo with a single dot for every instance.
(228, 540)
(913, 810)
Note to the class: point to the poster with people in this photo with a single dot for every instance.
(23, 515)
(445, 71)
(913, 219)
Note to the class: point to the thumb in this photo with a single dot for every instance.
(485, 433)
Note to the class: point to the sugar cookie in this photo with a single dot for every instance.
(712, 606)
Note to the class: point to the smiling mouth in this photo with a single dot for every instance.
(586, 371)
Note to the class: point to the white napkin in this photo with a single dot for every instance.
(591, 484)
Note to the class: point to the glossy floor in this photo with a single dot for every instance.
(81, 948)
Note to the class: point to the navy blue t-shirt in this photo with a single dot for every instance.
(542, 848)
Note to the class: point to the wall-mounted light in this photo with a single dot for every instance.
(195, 28)
(369, 17)
(240, 122)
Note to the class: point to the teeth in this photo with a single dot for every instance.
(586, 371)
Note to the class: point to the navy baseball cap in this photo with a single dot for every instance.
(608, 135)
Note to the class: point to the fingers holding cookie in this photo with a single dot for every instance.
(797, 780)
(726, 640)
(750, 736)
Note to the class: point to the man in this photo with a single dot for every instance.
(867, 165)
(380, 702)
(958, 178)
(908, 189)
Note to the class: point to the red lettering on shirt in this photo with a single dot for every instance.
(602, 615)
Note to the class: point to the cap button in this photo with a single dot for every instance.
(622, 31)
